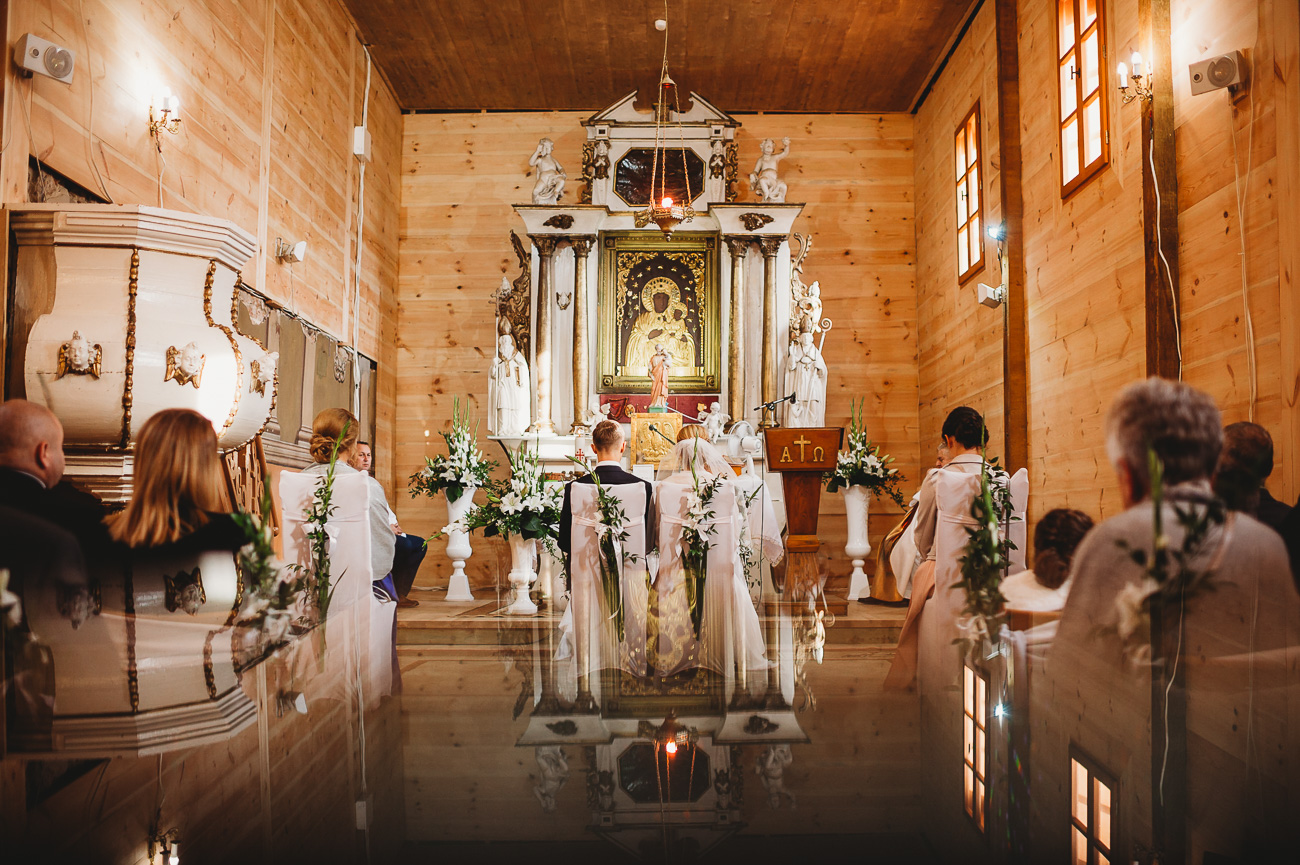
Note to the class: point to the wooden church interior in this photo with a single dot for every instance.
(1114, 234)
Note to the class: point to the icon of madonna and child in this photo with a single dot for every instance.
(662, 338)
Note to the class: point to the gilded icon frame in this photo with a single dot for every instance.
(696, 251)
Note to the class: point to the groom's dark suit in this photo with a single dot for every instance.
(610, 475)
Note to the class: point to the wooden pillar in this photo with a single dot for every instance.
(581, 362)
(737, 248)
(542, 340)
(1286, 107)
(1015, 343)
(770, 245)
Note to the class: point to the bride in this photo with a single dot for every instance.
(730, 636)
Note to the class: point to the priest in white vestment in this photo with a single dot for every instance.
(510, 395)
(730, 637)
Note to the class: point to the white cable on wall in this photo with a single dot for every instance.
(356, 267)
(1243, 190)
(90, 123)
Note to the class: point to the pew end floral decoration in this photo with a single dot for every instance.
(463, 468)
(273, 590)
(697, 533)
(862, 464)
(986, 560)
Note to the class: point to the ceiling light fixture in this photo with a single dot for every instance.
(662, 210)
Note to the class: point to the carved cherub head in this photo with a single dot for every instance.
(545, 146)
(191, 359)
(185, 592)
(78, 351)
(768, 146)
(266, 370)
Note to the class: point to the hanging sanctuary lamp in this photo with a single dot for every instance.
(661, 209)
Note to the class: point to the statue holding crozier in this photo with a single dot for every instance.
(801, 455)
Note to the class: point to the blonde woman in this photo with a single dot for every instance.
(325, 430)
(177, 499)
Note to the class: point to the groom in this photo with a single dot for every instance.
(608, 442)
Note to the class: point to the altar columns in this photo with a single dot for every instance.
(542, 359)
(737, 247)
(581, 247)
(770, 245)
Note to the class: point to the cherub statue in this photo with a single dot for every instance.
(596, 413)
(185, 365)
(550, 174)
(714, 420)
(554, 768)
(810, 307)
(79, 357)
(771, 768)
(769, 188)
(263, 372)
(600, 161)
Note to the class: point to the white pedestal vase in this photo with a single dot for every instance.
(856, 503)
(544, 588)
(458, 548)
(521, 576)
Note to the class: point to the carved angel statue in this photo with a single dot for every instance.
(806, 371)
(79, 357)
(717, 158)
(596, 413)
(553, 766)
(510, 397)
(714, 420)
(600, 160)
(185, 365)
(550, 174)
(771, 768)
(263, 372)
(769, 188)
(809, 307)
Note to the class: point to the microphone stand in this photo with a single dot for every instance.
(771, 406)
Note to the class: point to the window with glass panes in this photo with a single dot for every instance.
(1085, 141)
(1092, 816)
(975, 723)
(970, 243)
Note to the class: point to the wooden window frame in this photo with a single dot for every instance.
(1089, 170)
(977, 807)
(1096, 775)
(974, 267)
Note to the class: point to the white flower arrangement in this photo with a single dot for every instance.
(463, 468)
(862, 464)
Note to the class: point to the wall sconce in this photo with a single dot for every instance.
(1141, 83)
(290, 253)
(168, 844)
(164, 115)
(994, 296)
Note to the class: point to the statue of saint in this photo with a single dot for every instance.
(714, 420)
(807, 373)
(509, 391)
(550, 174)
(659, 363)
(662, 322)
(769, 188)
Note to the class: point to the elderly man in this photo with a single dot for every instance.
(1224, 638)
(31, 468)
(409, 551)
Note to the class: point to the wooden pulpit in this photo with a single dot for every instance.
(802, 456)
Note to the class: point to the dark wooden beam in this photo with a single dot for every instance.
(1015, 346)
(1159, 195)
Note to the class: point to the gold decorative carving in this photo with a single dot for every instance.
(755, 221)
(733, 170)
(185, 592)
(588, 172)
(185, 365)
(257, 312)
(562, 221)
(128, 611)
(234, 345)
(132, 290)
(515, 305)
(649, 445)
(770, 245)
(78, 357)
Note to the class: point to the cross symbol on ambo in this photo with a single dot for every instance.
(801, 441)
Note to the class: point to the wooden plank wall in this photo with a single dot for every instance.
(269, 92)
(960, 341)
(462, 172)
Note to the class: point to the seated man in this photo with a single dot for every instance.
(589, 626)
(409, 550)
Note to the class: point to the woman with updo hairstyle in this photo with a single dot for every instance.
(178, 500)
(327, 428)
(1045, 588)
(693, 431)
(963, 437)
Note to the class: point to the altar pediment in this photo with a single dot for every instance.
(624, 112)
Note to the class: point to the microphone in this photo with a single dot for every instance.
(660, 433)
(776, 402)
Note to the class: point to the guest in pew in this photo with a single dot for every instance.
(408, 551)
(177, 503)
(1044, 588)
(1244, 465)
(328, 426)
(964, 437)
(693, 430)
(31, 475)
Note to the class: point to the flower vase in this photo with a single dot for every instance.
(521, 576)
(856, 502)
(544, 588)
(458, 548)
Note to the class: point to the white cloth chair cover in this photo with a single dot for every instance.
(359, 625)
(730, 633)
(1018, 532)
(588, 634)
(903, 560)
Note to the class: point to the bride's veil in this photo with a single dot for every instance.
(694, 451)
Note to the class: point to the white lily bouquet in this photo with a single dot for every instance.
(697, 531)
(986, 559)
(862, 463)
(317, 576)
(524, 505)
(464, 467)
(612, 534)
